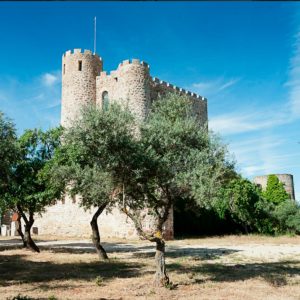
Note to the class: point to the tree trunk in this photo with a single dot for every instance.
(161, 277)
(20, 232)
(95, 234)
(27, 240)
(30, 244)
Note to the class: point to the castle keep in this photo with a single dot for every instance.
(84, 82)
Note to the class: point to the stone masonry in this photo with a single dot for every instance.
(85, 82)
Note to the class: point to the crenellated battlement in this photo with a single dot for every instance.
(177, 89)
(80, 51)
(107, 74)
(126, 62)
(133, 61)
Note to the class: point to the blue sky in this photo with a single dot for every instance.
(243, 56)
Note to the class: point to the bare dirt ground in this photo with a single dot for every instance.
(232, 267)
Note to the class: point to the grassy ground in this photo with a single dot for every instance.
(234, 267)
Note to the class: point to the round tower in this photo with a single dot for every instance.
(286, 179)
(135, 86)
(79, 71)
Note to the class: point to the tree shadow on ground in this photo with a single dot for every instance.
(74, 247)
(88, 247)
(275, 273)
(16, 269)
(13, 243)
(141, 251)
(195, 253)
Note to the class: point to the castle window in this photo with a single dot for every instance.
(80, 65)
(105, 100)
(64, 69)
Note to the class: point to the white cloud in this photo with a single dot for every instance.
(294, 78)
(50, 79)
(203, 86)
(229, 83)
(212, 87)
(241, 121)
(245, 148)
(32, 104)
(253, 170)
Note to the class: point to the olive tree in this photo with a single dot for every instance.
(93, 160)
(8, 151)
(178, 158)
(8, 157)
(27, 192)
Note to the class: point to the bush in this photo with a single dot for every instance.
(287, 215)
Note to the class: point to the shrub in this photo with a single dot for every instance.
(287, 215)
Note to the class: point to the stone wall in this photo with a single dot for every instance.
(67, 218)
(286, 179)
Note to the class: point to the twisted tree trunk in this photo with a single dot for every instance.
(30, 244)
(20, 232)
(95, 234)
(27, 240)
(161, 277)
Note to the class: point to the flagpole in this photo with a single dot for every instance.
(95, 35)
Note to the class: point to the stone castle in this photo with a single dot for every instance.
(84, 82)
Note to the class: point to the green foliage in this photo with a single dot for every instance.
(94, 157)
(240, 198)
(265, 222)
(27, 189)
(246, 204)
(187, 156)
(8, 152)
(179, 159)
(106, 158)
(287, 214)
(275, 192)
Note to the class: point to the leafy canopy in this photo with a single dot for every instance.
(241, 199)
(181, 159)
(93, 159)
(8, 151)
(27, 189)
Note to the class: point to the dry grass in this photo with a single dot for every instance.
(210, 271)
